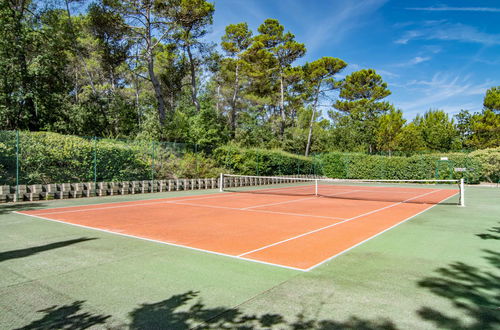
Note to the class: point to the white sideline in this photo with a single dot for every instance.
(161, 242)
(334, 224)
(377, 234)
(259, 211)
(239, 257)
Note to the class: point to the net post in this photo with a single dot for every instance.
(316, 187)
(17, 166)
(462, 192)
(221, 182)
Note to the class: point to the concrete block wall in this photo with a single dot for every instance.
(89, 189)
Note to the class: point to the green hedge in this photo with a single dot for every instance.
(55, 158)
(482, 165)
(263, 162)
(46, 157)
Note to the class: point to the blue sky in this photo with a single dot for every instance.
(433, 54)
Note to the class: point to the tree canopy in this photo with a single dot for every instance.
(146, 69)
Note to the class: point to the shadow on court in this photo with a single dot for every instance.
(9, 208)
(492, 233)
(66, 317)
(187, 311)
(22, 253)
(173, 313)
(471, 290)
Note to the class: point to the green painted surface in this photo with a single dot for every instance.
(439, 270)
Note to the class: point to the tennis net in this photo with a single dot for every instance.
(402, 191)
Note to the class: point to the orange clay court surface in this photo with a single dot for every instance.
(299, 232)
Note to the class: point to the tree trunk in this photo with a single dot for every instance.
(282, 106)
(157, 88)
(233, 101)
(309, 136)
(194, 92)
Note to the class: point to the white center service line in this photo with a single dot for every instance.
(335, 224)
(260, 211)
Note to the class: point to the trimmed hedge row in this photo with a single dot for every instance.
(256, 161)
(55, 158)
(46, 157)
(481, 165)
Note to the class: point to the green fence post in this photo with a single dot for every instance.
(95, 162)
(17, 166)
(196, 160)
(153, 162)
(257, 155)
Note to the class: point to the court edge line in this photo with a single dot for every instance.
(333, 225)
(259, 211)
(161, 242)
(154, 201)
(301, 199)
(180, 202)
(380, 233)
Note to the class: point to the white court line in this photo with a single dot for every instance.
(180, 202)
(278, 203)
(223, 254)
(296, 200)
(168, 200)
(260, 211)
(160, 201)
(333, 225)
(161, 242)
(380, 233)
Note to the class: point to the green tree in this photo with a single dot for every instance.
(390, 125)
(438, 130)
(409, 139)
(464, 126)
(362, 93)
(485, 128)
(149, 24)
(278, 50)
(319, 80)
(235, 42)
(190, 19)
(492, 99)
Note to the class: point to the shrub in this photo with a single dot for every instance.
(262, 162)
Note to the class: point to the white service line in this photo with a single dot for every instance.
(162, 242)
(380, 233)
(296, 200)
(161, 201)
(278, 203)
(333, 225)
(260, 211)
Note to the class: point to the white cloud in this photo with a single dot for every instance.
(414, 61)
(419, 59)
(443, 91)
(446, 8)
(387, 74)
(335, 25)
(439, 30)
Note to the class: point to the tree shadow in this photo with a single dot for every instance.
(66, 317)
(22, 253)
(494, 233)
(11, 207)
(186, 311)
(474, 291)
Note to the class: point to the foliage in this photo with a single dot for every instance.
(416, 167)
(146, 70)
(492, 99)
(262, 162)
(489, 160)
(55, 158)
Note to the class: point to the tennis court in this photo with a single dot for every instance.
(286, 222)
